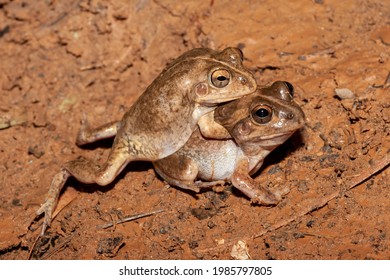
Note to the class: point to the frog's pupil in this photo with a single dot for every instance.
(262, 113)
(221, 78)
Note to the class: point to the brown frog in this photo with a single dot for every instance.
(258, 124)
(163, 118)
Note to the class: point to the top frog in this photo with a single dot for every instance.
(163, 118)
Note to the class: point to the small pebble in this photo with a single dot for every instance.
(344, 93)
(240, 251)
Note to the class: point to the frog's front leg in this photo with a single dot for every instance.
(85, 171)
(211, 129)
(88, 135)
(258, 194)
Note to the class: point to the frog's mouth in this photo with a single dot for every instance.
(272, 141)
(218, 102)
(278, 136)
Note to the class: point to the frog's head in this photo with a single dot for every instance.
(264, 119)
(215, 77)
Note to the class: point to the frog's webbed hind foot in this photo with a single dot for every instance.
(48, 207)
(82, 169)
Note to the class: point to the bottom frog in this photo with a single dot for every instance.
(258, 123)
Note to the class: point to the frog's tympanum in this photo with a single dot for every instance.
(163, 118)
(258, 123)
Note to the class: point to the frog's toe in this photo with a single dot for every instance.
(266, 199)
(282, 191)
(40, 210)
(45, 209)
(82, 135)
(84, 120)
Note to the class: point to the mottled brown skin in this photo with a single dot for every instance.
(258, 124)
(163, 118)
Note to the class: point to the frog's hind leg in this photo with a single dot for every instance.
(181, 171)
(188, 185)
(88, 135)
(176, 172)
(85, 171)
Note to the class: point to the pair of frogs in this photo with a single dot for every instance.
(177, 124)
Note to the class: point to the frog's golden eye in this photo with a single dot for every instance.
(262, 114)
(220, 78)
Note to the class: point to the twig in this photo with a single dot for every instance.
(303, 212)
(375, 167)
(128, 219)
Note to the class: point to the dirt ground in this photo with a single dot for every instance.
(61, 60)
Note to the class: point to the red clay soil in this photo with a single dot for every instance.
(61, 60)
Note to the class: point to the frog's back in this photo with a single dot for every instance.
(163, 118)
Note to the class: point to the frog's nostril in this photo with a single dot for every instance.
(290, 116)
(242, 80)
